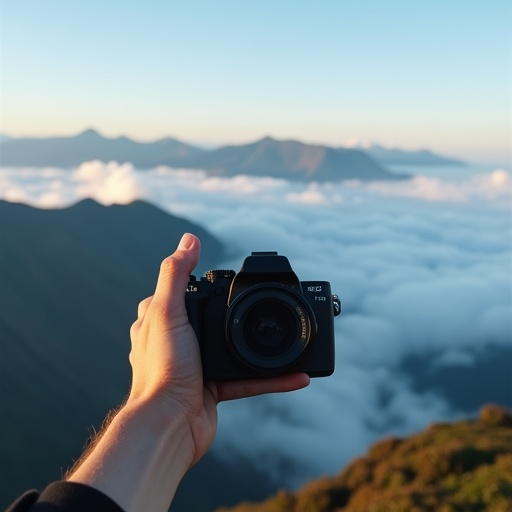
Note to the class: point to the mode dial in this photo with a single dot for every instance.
(213, 275)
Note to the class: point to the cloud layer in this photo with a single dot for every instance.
(423, 267)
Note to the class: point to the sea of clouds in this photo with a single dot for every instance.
(423, 268)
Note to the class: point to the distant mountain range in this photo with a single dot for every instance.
(288, 159)
(394, 156)
(461, 466)
(89, 145)
(267, 157)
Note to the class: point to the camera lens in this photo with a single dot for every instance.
(269, 327)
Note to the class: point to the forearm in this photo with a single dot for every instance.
(140, 458)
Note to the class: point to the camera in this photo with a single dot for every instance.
(262, 321)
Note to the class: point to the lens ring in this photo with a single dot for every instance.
(274, 340)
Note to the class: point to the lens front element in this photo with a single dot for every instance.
(269, 328)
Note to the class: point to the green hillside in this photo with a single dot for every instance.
(459, 467)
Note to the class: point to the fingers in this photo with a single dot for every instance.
(232, 390)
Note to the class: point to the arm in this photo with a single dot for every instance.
(170, 417)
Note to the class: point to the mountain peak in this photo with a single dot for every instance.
(90, 132)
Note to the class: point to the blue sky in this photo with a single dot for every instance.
(402, 73)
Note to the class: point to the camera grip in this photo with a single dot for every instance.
(194, 303)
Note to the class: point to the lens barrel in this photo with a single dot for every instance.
(269, 327)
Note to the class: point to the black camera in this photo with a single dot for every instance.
(262, 321)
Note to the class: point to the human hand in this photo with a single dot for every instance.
(170, 417)
(166, 360)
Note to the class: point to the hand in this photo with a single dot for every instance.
(170, 417)
(166, 360)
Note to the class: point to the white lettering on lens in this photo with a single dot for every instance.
(303, 323)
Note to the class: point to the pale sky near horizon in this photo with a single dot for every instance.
(401, 73)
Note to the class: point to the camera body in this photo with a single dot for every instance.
(262, 321)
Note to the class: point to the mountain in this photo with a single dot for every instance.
(394, 156)
(90, 145)
(463, 466)
(292, 160)
(267, 157)
(70, 283)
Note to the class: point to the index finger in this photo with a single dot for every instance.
(232, 390)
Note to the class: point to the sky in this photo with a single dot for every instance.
(403, 74)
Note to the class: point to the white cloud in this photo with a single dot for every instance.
(311, 195)
(422, 266)
(110, 183)
(357, 143)
(493, 186)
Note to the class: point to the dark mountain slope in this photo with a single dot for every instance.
(70, 282)
(464, 466)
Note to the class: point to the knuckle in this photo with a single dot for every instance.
(135, 328)
(143, 306)
(170, 265)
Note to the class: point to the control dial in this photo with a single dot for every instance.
(213, 275)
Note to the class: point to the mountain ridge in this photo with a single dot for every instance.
(71, 151)
(287, 159)
(421, 157)
(71, 280)
(382, 155)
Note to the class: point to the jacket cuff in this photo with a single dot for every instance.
(72, 496)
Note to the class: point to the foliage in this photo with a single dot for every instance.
(461, 467)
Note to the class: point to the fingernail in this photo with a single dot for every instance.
(186, 241)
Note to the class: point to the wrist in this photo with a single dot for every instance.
(140, 458)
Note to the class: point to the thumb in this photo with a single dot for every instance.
(174, 274)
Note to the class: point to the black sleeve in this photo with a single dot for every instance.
(65, 497)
